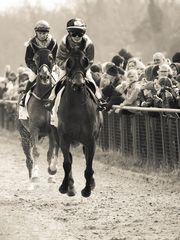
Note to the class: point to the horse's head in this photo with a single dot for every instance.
(44, 61)
(76, 68)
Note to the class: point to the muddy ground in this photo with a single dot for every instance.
(125, 205)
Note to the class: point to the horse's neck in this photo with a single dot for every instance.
(74, 98)
(41, 89)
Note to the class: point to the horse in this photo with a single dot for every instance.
(79, 121)
(38, 125)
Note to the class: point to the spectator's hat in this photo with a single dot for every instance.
(117, 60)
(176, 57)
(113, 71)
(96, 68)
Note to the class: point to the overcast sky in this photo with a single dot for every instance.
(5, 5)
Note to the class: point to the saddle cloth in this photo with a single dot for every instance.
(23, 113)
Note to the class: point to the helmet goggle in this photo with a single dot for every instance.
(76, 33)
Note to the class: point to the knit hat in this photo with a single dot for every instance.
(117, 60)
(176, 57)
(113, 71)
(96, 68)
(124, 53)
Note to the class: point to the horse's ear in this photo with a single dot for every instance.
(84, 62)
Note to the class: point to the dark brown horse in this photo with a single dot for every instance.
(38, 123)
(79, 122)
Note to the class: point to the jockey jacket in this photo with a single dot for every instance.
(86, 45)
(34, 45)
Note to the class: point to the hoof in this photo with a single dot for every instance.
(51, 172)
(51, 180)
(85, 193)
(71, 192)
(63, 189)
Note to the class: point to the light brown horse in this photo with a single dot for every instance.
(38, 124)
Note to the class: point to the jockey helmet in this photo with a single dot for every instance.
(76, 24)
(42, 25)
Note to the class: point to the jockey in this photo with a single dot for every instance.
(76, 37)
(42, 39)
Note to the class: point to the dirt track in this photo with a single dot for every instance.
(123, 206)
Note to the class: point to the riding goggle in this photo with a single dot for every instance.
(76, 34)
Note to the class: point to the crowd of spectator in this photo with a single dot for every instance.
(127, 81)
(12, 82)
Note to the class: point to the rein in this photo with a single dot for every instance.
(38, 98)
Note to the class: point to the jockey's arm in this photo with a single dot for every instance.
(90, 54)
(62, 56)
(29, 59)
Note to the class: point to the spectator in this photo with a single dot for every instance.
(110, 77)
(175, 69)
(96, 72)
(126, 55)
(148, 98)
(165, 92)
(176, 57)
(11, 92)
(158, 59)
(164, 71)
(131, 90)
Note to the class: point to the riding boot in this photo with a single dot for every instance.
(101, 104)
(28, 87)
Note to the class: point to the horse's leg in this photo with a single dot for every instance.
(34, 137)
(88, 173)
(52, 154)
(26, 145)
(52, 157)
(67, 185)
